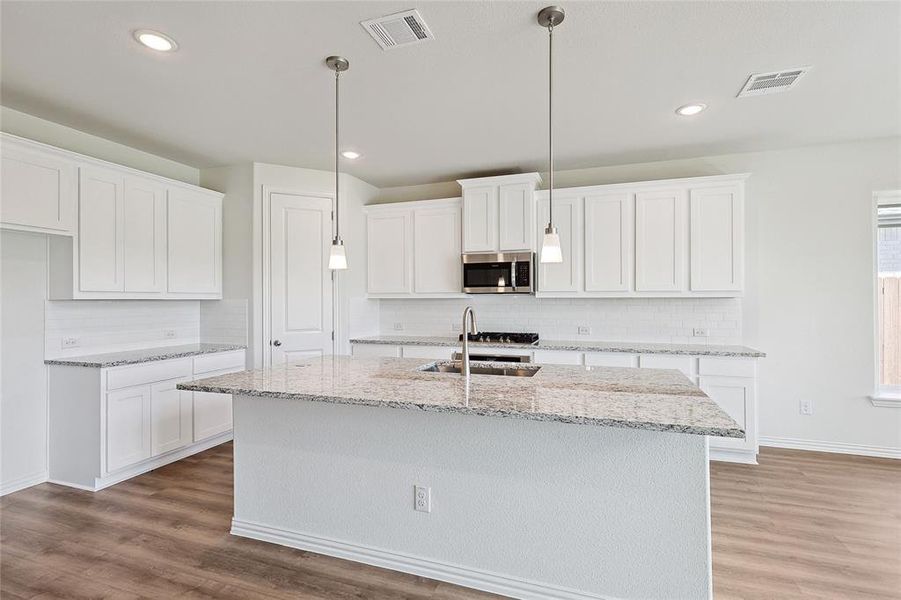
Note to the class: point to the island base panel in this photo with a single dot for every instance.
(524, 508)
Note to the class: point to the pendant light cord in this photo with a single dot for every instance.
(550, 119)
(337, 202)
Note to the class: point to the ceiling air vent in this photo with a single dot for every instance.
(759, 84)
(399, 29)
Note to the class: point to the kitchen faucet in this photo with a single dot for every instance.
(472, 328)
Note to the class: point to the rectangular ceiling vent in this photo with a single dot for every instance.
(759, 84)
(399, 29)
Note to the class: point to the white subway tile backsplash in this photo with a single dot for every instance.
(617, 319)
(111, 325)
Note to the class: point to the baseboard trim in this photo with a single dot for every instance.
(22, 482)
(834, 447)
(465, 576)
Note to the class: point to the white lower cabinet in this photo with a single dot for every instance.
(429, 352)
(371, 350)
(558, 357)
(212, 413)
(128, 426)
(172, 415)
(110, 424)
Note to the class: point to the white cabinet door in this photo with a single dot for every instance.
(172, 414)
(735, 395)
(480, 219)
(212, 414)
(516, 224)
(100, 230)
(127, 427)
(565, 276)
(717, 229)
(194, 224)
(38, 189)
(609, 221)
(660, 241)
(436, 250)
(145, 235)
(390, 252)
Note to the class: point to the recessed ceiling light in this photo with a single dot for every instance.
(156, 40)
(351, 154)
(689, 110)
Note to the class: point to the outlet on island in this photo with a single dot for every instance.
(422, 498)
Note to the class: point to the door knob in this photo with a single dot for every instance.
(276, 343)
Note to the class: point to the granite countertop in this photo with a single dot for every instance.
(652, 399)
(573, 345)
(133, 357)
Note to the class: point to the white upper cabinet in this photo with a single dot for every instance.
(565, 276)
(516, 222)
(660, 233)
(144, 230)
(101, 230)
(194, 225)
(480, 211)
(389, 235)
(38, 188)
(436, 249)
(121, 233)
(717, 230)
(609, 223)
(499, 213)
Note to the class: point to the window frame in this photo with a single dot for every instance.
(883, 395)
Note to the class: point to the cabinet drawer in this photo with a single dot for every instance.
(218, 362)
(558, 357)
(611, 359)
(727, 367)
(665, 361)
(434, 352)
(120, 377)
(364, 350)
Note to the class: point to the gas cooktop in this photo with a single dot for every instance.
(502, 337)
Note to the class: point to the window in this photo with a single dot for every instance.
(888, 296)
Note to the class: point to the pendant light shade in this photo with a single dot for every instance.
(337, 259)
(550, 247)
(551, 251)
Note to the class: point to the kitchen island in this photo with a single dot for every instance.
(577, 482)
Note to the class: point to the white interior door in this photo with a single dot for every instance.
(300, 283)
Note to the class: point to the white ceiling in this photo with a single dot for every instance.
(248, 82)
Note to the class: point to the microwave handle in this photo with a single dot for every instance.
(513, 275)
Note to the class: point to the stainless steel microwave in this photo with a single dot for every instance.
(505, 273)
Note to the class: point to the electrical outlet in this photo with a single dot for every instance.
(422, 498)
(805, 407)
(169, 334)
(70, 342)
(398, 327)
(699, 332)
(583, 330)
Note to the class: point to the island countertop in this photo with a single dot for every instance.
(652, 399)
(573, 345)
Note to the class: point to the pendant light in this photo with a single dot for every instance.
(337, 259)
(550, 17)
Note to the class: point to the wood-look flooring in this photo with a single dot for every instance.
(800, 525)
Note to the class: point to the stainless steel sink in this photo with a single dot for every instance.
(477, 369)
